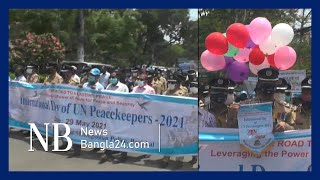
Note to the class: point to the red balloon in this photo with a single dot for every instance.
(271, 60)
(216, 43)
(238, 35)
(256, 57)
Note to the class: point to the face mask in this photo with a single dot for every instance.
(219, 98)
(29, 71)
(288, 99)
(207, 100)
(280, 96)
(113, 80)
(91, 79)
(230, 99)
(171, 86)
(140, 83)
(194, 90)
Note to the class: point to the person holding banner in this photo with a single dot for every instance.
(283, 113)
(218, 97)
(93, 80)
(303, 120)
(18, 72)
(69, 76)
(54, 77)
(175, 89)
(142, 85)
(114, 85)
(33, 77)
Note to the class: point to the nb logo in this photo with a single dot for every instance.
(56, 136)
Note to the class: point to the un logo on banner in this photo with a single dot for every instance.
(56, 136)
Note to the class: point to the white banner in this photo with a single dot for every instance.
(127, 117)
(219, 150)
(255, 126)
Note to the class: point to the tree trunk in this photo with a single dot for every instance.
(80, 51)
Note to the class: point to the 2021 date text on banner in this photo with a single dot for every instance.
(161, 124)
(220, 151)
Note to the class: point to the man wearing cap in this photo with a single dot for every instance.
(174, 89)
(33, 77)
(157, 84)
(283, 113)
(162, 79)
(303, 119)
(104, 76)
(93, 80)
(218, 95)
(280, 93)
(69, 76)
(54, 77)
(231, 96)
(18, 72)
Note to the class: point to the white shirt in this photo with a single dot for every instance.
(98, 86)
(104, 79)
(20, 78)
(120, 87)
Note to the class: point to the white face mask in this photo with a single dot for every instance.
(140, 83)
(280, 96)
(171, 86)
(230, 99)
(207, 100)
(29, 71)
(194, 90)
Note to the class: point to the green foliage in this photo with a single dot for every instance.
(121, 37)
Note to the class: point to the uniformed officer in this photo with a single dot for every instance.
(206, 97)
(283, 113)
(162, 79)
(303, 119)
(32, 77)
(231, 96)
(54, 77)
(157, 84)
(191, 75)
(280, 93)
(218, 95)
(174, 89)
(67, 72)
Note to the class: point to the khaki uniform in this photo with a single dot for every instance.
(70, 82)
(164, 82)
(220, 113)
(281, 111)
(158, 86)
(33, 78)
(56, 79)
(303, 118)
(182, 91)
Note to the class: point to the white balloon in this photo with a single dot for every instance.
(282, 34)
(268, 47)
(256, 68)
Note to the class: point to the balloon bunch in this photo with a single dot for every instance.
(256, 44)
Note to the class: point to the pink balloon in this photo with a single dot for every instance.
(243, 55)
(212, 62)
(259, 30)
(285, 57)
(256, 68)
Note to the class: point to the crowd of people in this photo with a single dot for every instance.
(145, 80)
(217, 97)
(289, 113)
